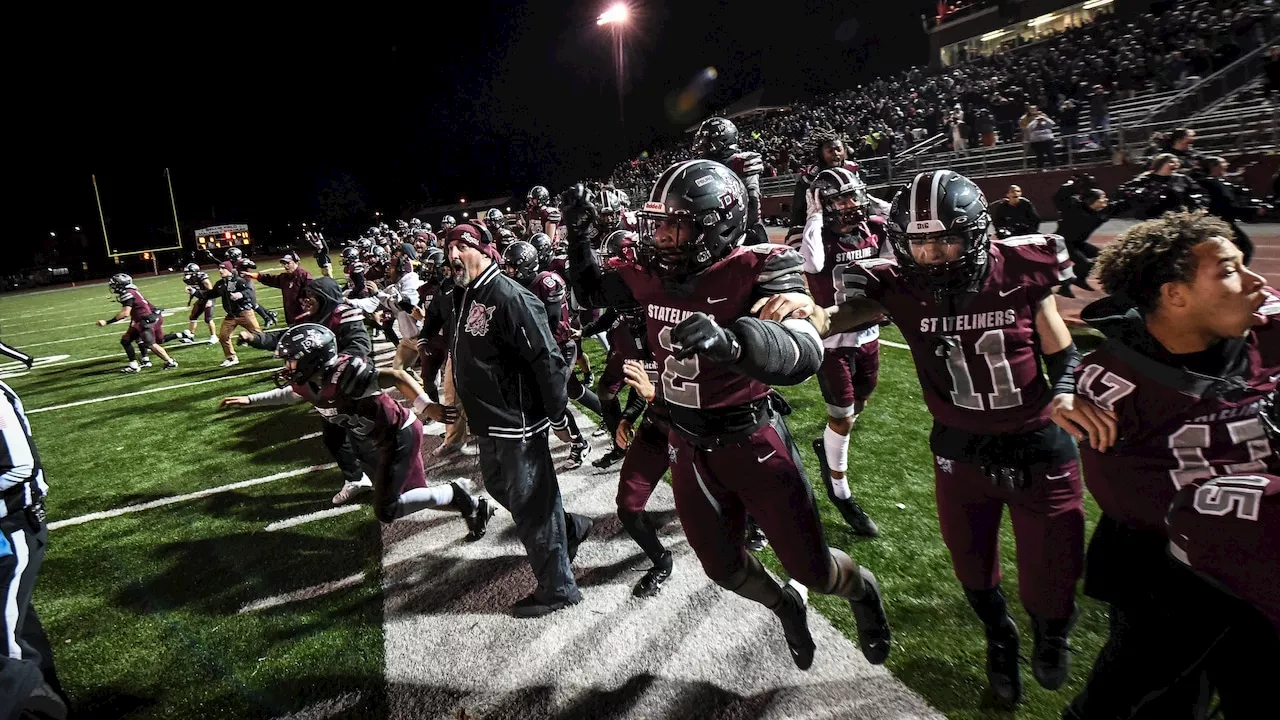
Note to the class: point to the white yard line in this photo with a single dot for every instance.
(81, 519)
(893, 344)
(148, 391)
(306, 593)
(312, 517)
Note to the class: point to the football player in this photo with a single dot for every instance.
(348, 391)
(829, 151)
(447, 223)
(243, 264)
(717, 139)
(431, 351)
(543, 216)
(497, 224)
(729, 448)
(840, 231)
(193, 277)
(1192, 350)
(146, 324)
(520, 262)
(979, 317)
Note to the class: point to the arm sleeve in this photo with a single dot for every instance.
(777, 353)
(365, 304)
(591, 285)
(278, 396)
(636, 405)
(530, 336)
(353, 339)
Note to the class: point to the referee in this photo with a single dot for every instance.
(27, 678)
(510, 377)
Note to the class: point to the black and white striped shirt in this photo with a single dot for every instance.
(21, 474)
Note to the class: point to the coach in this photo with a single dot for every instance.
(27, 678)
(290, 282)
(510, 377)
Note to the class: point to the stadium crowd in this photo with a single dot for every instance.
(1072, 77)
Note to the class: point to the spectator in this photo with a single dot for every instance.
(1100, 115)
(1220, 197)
(1039, 130)
(1013, 214)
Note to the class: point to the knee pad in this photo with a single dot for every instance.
(837, 449)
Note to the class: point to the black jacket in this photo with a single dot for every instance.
(1011, 220)
(226, 288)
(345, 321)
(507, 370)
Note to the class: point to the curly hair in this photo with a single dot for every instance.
(1155, 252)
(821, 137)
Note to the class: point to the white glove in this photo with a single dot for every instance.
(813, 203)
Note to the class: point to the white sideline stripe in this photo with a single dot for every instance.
(145, 392)
(303, 594)
(66, 340)
(312, 517)
(893, 344)
(81, 519)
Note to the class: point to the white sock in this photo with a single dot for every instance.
(411, 501)
(837, 447)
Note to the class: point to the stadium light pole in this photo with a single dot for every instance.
(616, 18)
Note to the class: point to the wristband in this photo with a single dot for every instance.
(421, 403)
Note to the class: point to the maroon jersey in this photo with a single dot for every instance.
(867, 241)
(558, 265)
(550, 288)
(140, 311)
(979, 364)
(1177, 428)
(725, 291)
(1228, 529)
(367, 411)
(539, 217)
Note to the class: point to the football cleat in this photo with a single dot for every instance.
(610, 457)
(229, 362)
(874, 637)
(131, 368)
(271, 319)
(351, 489)
(1050, 661)
(652, 581)
(146, 363)
(756, 541)
(186, 337)
(213, 339)
(469, 449)
(171, 364)
(478, 521)
(854, 516)
(795, 624)
(1002, 662)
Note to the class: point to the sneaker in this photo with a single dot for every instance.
(171, 364)
(351, 489)
(469, 449)
(531, 607)
(131, 368)
(186, 337)
(756, 541)
(229, 362)
(445, 450)
(577, 454)
(874, 637)
(213, 339)
(478, 521)
(795, 624)
(610, 457)
(652, 581)
(598, 432)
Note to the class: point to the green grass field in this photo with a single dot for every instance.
(147, 610)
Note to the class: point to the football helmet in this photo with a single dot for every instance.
(431, 264)
(843, 195)
(402, 226)
(716, 139)
(312, 348)
(609, 219)
(379, 253)
(426, 227)
(350, 255)
(520, 261)
(538, 197)
(448, 223)
(120, 282)
(234, 254)
(946, 207)
(707, 202)
(622, 245)
(545, 247)
(415, 222)
(494, 219)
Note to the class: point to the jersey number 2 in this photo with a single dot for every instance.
(678, 375)
(991, 347)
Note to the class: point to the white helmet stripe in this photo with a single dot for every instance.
(933, 195)
(672, 174)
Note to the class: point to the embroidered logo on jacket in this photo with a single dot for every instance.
(478, 319)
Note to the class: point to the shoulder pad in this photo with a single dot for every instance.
(1039, 259)
(356, 376)
(795, 236)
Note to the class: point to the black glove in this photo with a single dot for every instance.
(576, 209)
(698, 334)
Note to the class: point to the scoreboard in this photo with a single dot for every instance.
(222, 236)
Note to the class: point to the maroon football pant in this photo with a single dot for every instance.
(642, 468)
(848, 376)
(399, 469)
(200, 307)
(1048, 530)
(715, 489)
(611, 378)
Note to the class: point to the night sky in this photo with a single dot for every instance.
(260, 122)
